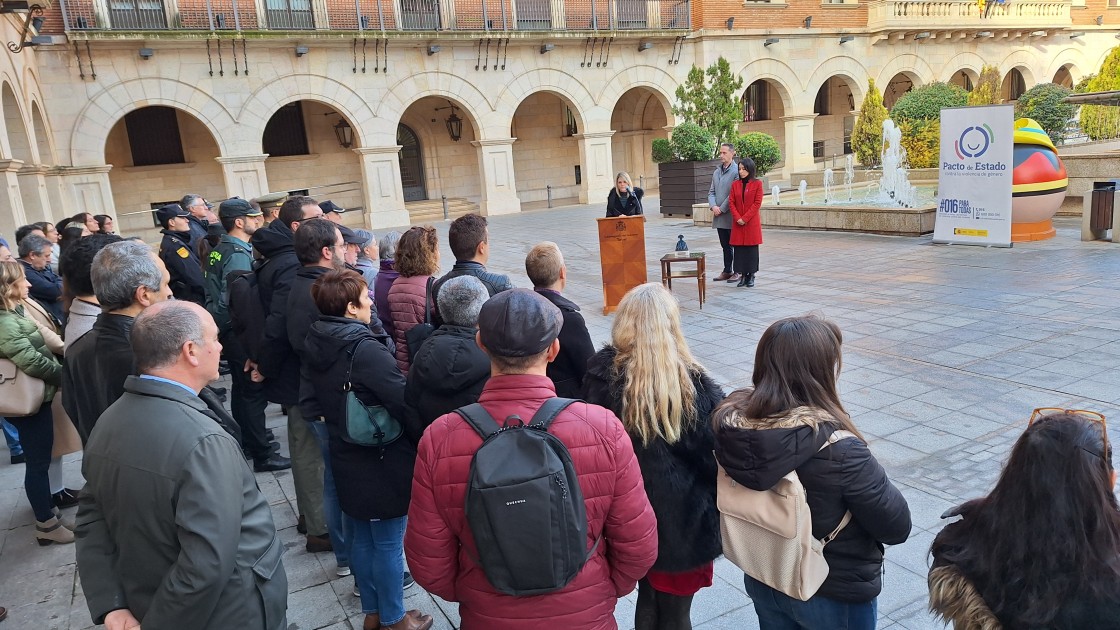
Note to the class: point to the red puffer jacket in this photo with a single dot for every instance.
(406, 305)
(438, 540)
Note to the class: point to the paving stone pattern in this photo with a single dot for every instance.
(947, 349)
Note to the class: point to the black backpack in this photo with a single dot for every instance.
(524, 504)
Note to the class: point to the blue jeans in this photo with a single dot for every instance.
(11, 436)
(36, 433)
(377, 549)
(338, 528)
(778, 611)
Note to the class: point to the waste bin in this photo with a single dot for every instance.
(1100, 207)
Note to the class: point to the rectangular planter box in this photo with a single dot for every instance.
(684, 184)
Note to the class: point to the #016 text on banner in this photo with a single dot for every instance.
(974, 185)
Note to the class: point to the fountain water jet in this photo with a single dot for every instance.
(801, 189)
(828, 186)
(895, 187)
(776, 190)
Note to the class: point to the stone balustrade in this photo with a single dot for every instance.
(952, 14)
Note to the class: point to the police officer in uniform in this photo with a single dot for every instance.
(233, 254)
(180, 257)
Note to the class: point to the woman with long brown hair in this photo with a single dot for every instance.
(417, 262)
(780, 425)
(1043, 549)
(650, 380)
(23, 344)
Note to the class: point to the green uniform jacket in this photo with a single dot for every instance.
(232, 254)
(23, 344)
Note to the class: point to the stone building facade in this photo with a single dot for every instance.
(505, 104)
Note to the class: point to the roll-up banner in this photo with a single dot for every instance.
(974, 185)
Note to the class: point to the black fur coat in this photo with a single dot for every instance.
(680, 478)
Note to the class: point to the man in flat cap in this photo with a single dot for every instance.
(518, 330)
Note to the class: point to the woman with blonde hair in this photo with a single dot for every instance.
(648, 377)
(783, 424)
(417, 262)
(23, 344)
(624, 200)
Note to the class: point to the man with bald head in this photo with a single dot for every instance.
(172, 530)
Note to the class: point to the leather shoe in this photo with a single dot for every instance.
(3, 613)
(723, 276)
(273, 463)
(742, 282)
(65, 498)
(735, 277)
(319, 544)
(19, 459)
(750, 280)
(413, 620)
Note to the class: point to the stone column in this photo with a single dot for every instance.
(87, 189)
(12, 214)
(799, 144)
(595, 156)
(382, 192)
(499, 184)
(33, 190)
(245, 175)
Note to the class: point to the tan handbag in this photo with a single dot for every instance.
(769, 534)
(20, 394)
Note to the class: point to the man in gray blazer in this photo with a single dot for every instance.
(725, 175)
(172, 530)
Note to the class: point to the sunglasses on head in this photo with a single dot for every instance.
(1093, 416)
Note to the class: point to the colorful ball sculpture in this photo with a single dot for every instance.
(1039, 183)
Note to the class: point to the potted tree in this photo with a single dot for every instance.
(708, 110)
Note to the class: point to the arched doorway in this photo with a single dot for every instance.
(310, 147)
(412, 165)
(1013, 86)
(638, 117)
(836, 107)
(964, 79)
(32, 190)
(159, 154)
(546, 157)
(1064, 77)
(899, 84)
(763, 108)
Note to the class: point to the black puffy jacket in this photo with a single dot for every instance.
(843, 477)
(680, 478)
(449, 371)
(277, 361)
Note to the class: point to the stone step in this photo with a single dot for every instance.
(432, 210)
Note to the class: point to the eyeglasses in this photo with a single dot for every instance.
(1093, 416)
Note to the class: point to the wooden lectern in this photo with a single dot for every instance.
(622, 251)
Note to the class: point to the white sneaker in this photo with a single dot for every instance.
(357, 593)
(343, 571)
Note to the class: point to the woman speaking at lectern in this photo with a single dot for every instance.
(624, 200)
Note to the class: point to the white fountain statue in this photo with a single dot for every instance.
(849, 173)
(801, 189)
(776, 192)
(827, 186)
(895, 187)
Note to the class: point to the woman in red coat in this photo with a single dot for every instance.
(746, 227)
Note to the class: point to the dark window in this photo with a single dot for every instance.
(156, 205)
(821, 105)
(570, 126)
(285, 134)
(153, 136)
(756, 102)
(818, 148)
(1018, 85)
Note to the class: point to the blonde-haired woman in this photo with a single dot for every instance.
(648, 377)
(624, 200)
(23, 344)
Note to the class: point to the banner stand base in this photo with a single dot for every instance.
(1001, 246)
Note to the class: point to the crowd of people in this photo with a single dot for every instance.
(465, 435)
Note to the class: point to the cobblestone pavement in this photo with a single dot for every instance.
(947, 349)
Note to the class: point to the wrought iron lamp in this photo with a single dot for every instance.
(345, 133)
(453, 122)
(31, 27)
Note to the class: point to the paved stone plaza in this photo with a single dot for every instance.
(947, 350)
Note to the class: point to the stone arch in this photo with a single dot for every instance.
(776, 73)
(638, 117)
(42, 134)
(266, 100)
(393, 103)
(1072, 60)
(104, 109)
(15, 122)
(446, 166)
(1008, 88)
(848, 68)
(567, 87)
(911, 65)
(659, 82)
(971, 62)
(1024, 61)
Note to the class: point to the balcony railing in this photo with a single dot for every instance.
(376, 15)
(926, 14)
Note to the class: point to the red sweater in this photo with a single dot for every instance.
(745, 206)
(438, 540)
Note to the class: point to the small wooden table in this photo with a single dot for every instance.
(699, 272)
